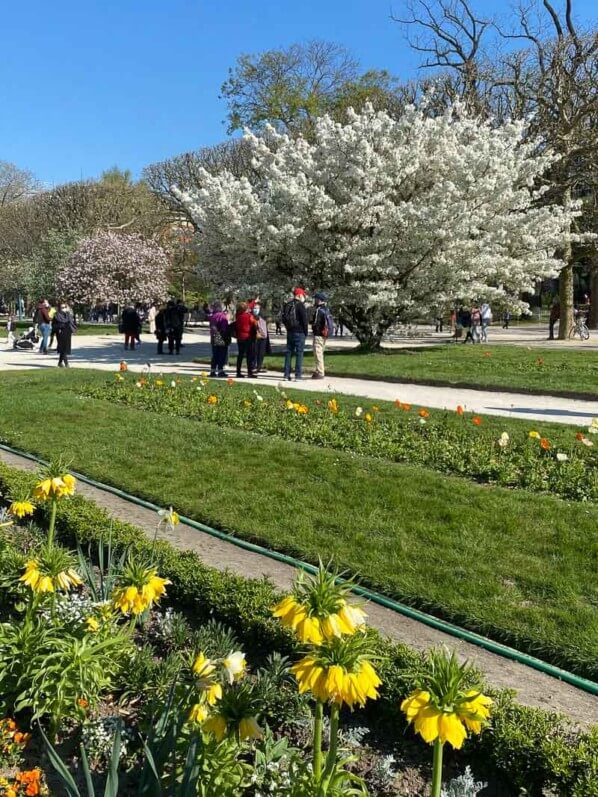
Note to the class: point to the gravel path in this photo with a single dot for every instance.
(104, 352)
(533, 688)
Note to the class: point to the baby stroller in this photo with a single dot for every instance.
(27, 341)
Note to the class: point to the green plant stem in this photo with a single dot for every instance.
(437, 769)
(52, 523)
(318, 721)
(332, 748)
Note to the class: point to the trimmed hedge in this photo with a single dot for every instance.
(531, 748)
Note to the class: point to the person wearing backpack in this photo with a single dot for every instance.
(294, 317)
(43, 321)
(323, 328)
(63, 327)
(219, 339)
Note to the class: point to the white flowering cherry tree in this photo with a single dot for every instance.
(393, 216)
(111, 267)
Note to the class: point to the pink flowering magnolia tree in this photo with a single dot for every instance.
(111, 267)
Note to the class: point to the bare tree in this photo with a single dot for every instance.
(450, 35)
(15, 183)
(184, 172)
(554, 80)
(551, 78)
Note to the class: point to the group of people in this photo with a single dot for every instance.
(250, 328)
(166, 322)
(55, 323)
(474, 322)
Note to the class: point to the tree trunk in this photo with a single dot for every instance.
(566, 301)
(594, 297)
(566, 283)
(369, 326)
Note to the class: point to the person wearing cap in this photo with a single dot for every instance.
(321, 329)
(294, 317)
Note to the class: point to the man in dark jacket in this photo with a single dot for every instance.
(130, 325)
(173, 324)
(183, 312)
(294, 317)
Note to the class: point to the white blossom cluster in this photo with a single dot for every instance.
(400, 214)
(112, 267)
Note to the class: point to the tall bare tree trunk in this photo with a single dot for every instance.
(566, 282)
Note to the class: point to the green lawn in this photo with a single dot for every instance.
(82, 329)
(514, 367)
(518, 566)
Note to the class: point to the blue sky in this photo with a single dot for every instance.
(88, 84)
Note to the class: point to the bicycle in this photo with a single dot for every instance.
(579, 327)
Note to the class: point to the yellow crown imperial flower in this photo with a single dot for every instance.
(202, 666)
(55, 487)
(92, 624)
(440, 710)
(216, 725)
(198, 713)
(249, 729)
(129, 600)
(33, 577)
(318, 609)
(139, 588)
(67, 579)
(352, 684)
(21, 508)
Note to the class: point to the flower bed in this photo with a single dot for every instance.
(536, 750)
(450, 443)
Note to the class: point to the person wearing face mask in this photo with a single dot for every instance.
(294, 317)
(245, 325)
(260, 346)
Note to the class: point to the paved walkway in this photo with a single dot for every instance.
(533, 687)
(105, 352)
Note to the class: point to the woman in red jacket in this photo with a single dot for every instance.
(245, 325)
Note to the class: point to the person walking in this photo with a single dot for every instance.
(322, 327)
(160, 332)
(278, 322)
(183, 312)
(245, 325)
(506, 319)
(261, 340)
(486, 314)
(129, 326)
(219, 339)
(63, 327)
(173, 324)
(476, 324)
(44, 323)
(294, 317)
(466, 323)
(51, 313)
(555, 315)
(151, 318)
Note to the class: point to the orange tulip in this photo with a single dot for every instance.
(476, 420)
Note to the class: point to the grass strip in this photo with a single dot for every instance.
(519, 368)
(514, 566)
(449, 442)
